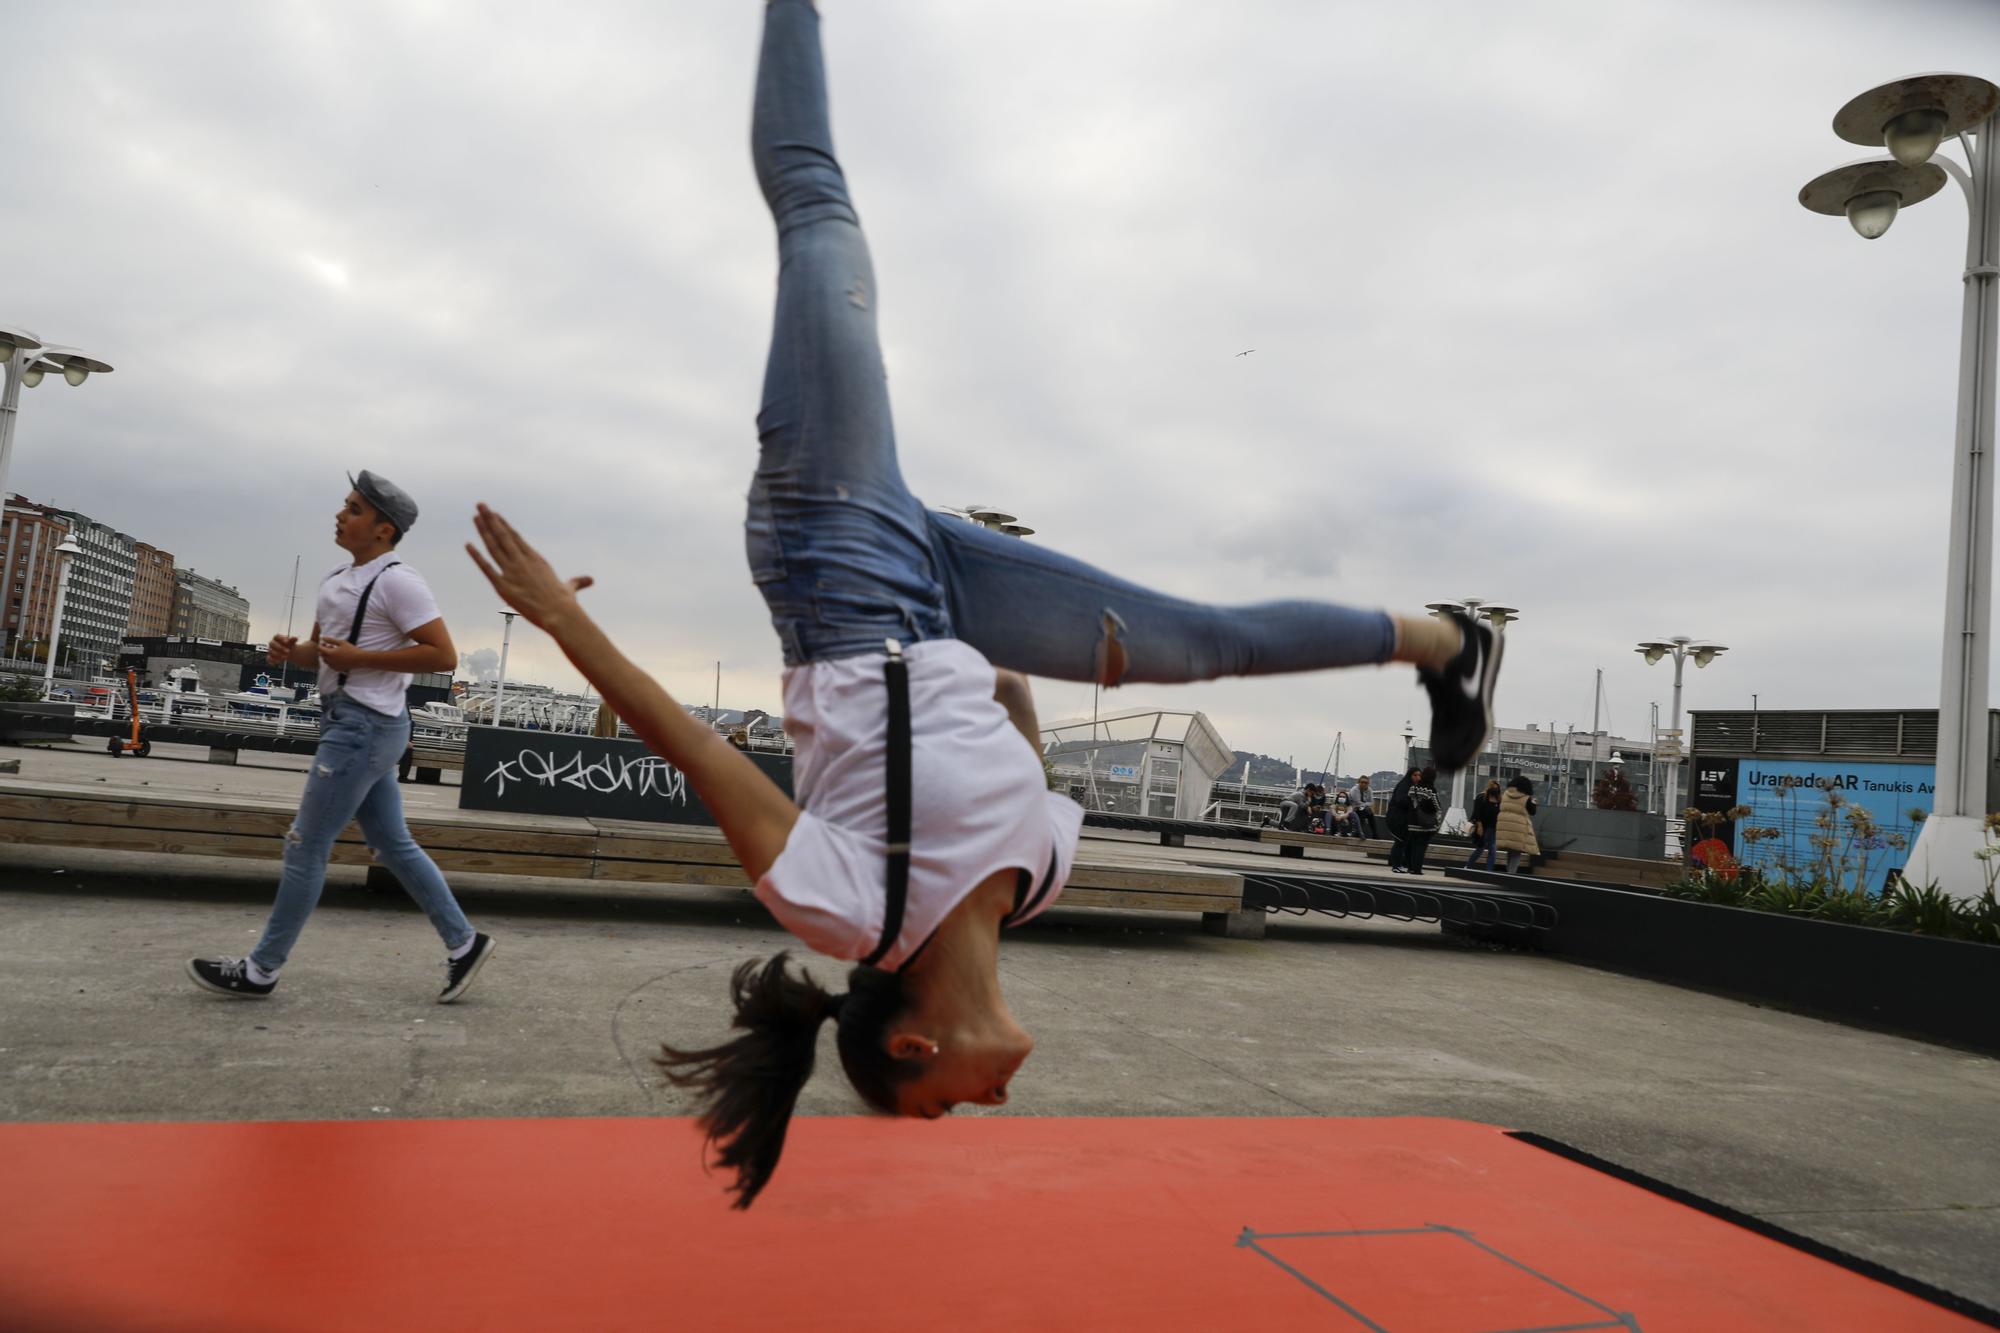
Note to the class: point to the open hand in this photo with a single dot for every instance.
(339, 654)
(282, 648)
(520, 574)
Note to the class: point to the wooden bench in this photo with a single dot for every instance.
(145, 820)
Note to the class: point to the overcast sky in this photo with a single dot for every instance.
(1537, 316)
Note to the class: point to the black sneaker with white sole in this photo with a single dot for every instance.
(459, 972)
(228, 976)
(1462, 695)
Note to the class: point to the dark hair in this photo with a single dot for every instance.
(395, 528)
(750, 1083)
(1522, 784)
(1430, 774)
(1493, 784)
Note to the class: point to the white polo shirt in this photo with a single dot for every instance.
(401, 602)
(979, 803)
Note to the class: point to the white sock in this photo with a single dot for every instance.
(463, 949)
(258, 974)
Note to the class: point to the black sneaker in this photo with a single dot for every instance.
(228, 976)
(1462, 695)
(459, 972)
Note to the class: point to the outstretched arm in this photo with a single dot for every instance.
(1010, 690)
(755, 814)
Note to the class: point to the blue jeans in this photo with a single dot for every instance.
(1485, 844)
(846, 557)
(353, 776)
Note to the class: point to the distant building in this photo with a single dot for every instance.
(98, 604)
(1142, 761)
(152, 591)
(1562, 765)
(205, 608)
(29, 535)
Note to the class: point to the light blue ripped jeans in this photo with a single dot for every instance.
(353, 776)
(845, 556)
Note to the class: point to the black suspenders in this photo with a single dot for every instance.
(896, 675)
(361, 609)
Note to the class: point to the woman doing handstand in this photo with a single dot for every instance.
(922, 824)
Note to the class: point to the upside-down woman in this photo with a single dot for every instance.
(922, 825)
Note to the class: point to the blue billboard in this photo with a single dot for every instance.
(1790, 795)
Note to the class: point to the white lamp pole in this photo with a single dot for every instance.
(500, 685)
(1911, 118)
(66, 555)
(1499, 617)
(1681, 648)
(24, 362)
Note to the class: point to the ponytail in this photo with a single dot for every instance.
(751, 1083)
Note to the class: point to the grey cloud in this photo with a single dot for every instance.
(1537, 316)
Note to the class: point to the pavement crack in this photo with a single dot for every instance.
(650, 1087)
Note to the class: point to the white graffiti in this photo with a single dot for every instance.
(643, 775)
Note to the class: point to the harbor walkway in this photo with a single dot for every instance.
(1876, 1144)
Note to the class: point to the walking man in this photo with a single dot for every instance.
(392, 630)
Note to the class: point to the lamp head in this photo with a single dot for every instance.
(13, 338)
(1911, 116)
(1869, 193)
(74, 365)
(69, 547)
(1707, 653)
(1653, 652)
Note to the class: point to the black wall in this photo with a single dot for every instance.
(549, 773)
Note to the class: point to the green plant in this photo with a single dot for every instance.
(1853, 907)
(1785, 896)
(1980, 920)
(1928, 910)
(17, 690)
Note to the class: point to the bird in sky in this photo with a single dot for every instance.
(1246, 353)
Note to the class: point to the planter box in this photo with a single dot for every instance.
(1939, 989)
(36, 722)
(1628, 833)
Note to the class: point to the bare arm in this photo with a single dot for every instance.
(755, 814)
(1012, 692)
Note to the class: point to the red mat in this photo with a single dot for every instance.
(1393, 1225)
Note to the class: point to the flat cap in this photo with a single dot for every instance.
(390, 500)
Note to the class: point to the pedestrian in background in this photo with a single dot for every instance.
(1426, 813)
(1485, 821)
(1516, 823)
(1397, 819)
(1364, 810)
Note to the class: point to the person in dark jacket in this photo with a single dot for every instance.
(1292, 810)
(1485, 821)
(1397, 820)
(1426, 813)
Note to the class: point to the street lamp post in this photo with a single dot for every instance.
(1911, 118)
(24, 361)
(66, 554)
(1680, 648)
(1409, 739)
(500, 685)
(1499, 617)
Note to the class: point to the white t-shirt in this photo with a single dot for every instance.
(979, 803)
(401, 602)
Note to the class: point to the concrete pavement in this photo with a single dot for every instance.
(1873, 1143)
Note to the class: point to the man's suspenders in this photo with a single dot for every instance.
(361, 609)
(896, 675)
